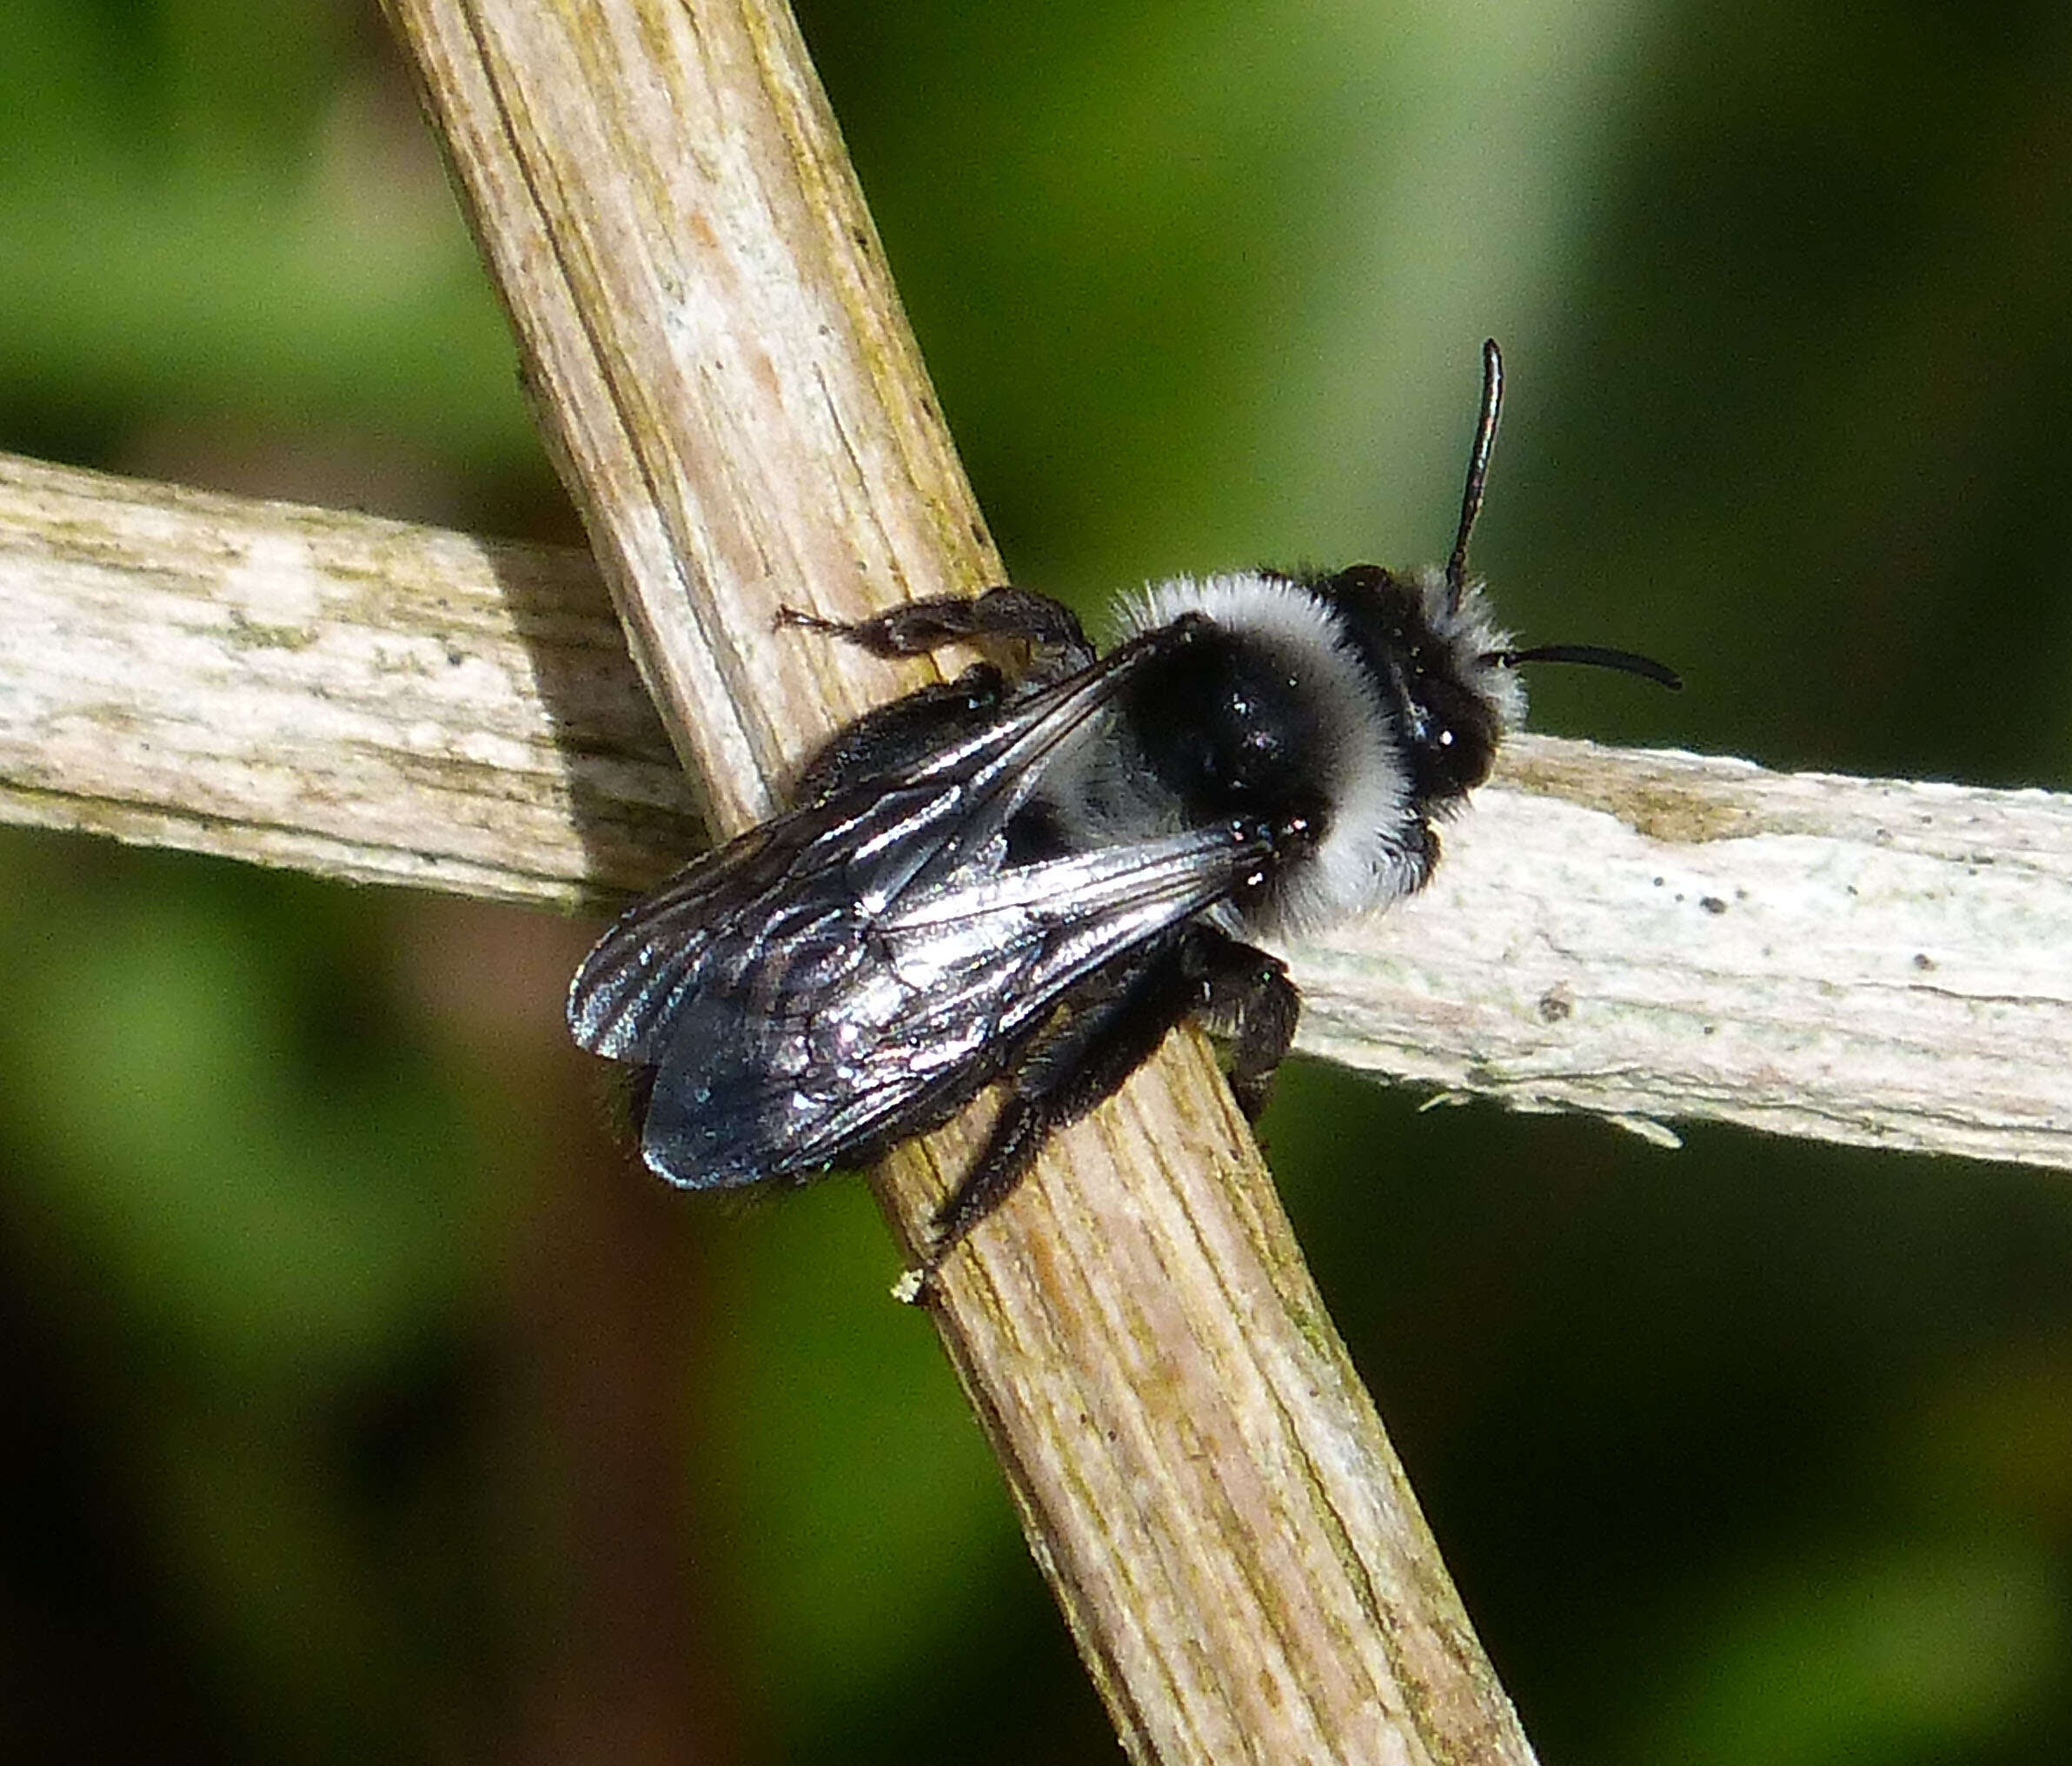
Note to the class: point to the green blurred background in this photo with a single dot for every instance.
(369, 1404)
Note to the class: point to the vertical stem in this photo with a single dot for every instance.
(721, 363)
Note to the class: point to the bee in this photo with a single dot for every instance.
(1033, 878)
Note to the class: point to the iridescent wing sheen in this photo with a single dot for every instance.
(851, 972)
(838, 1039)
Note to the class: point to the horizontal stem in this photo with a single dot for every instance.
(1649, 937)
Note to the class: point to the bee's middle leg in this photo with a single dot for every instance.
(1245, 993)
(1057, 641)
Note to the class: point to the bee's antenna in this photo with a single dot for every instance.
(1479, 460)
(1595, 655)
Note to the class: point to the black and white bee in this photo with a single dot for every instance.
(1034, 878)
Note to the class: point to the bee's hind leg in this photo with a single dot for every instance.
(1080, 1067)
(1057, 641)
(1238, 987)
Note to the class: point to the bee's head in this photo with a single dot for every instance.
(1366, 701)
(1447, 674)
(1438, 665)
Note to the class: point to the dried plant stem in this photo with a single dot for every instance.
(722, 363)
(1650, 937)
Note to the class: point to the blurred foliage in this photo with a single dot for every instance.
(371, 1406)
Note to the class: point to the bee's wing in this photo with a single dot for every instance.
(761, 913)
(842, 970)
(851, 1039)
(728, 977)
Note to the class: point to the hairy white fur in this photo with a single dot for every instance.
(1470, 632)
(1362, 860)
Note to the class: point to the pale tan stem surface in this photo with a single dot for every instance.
(1649, 937)
(720, 360)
